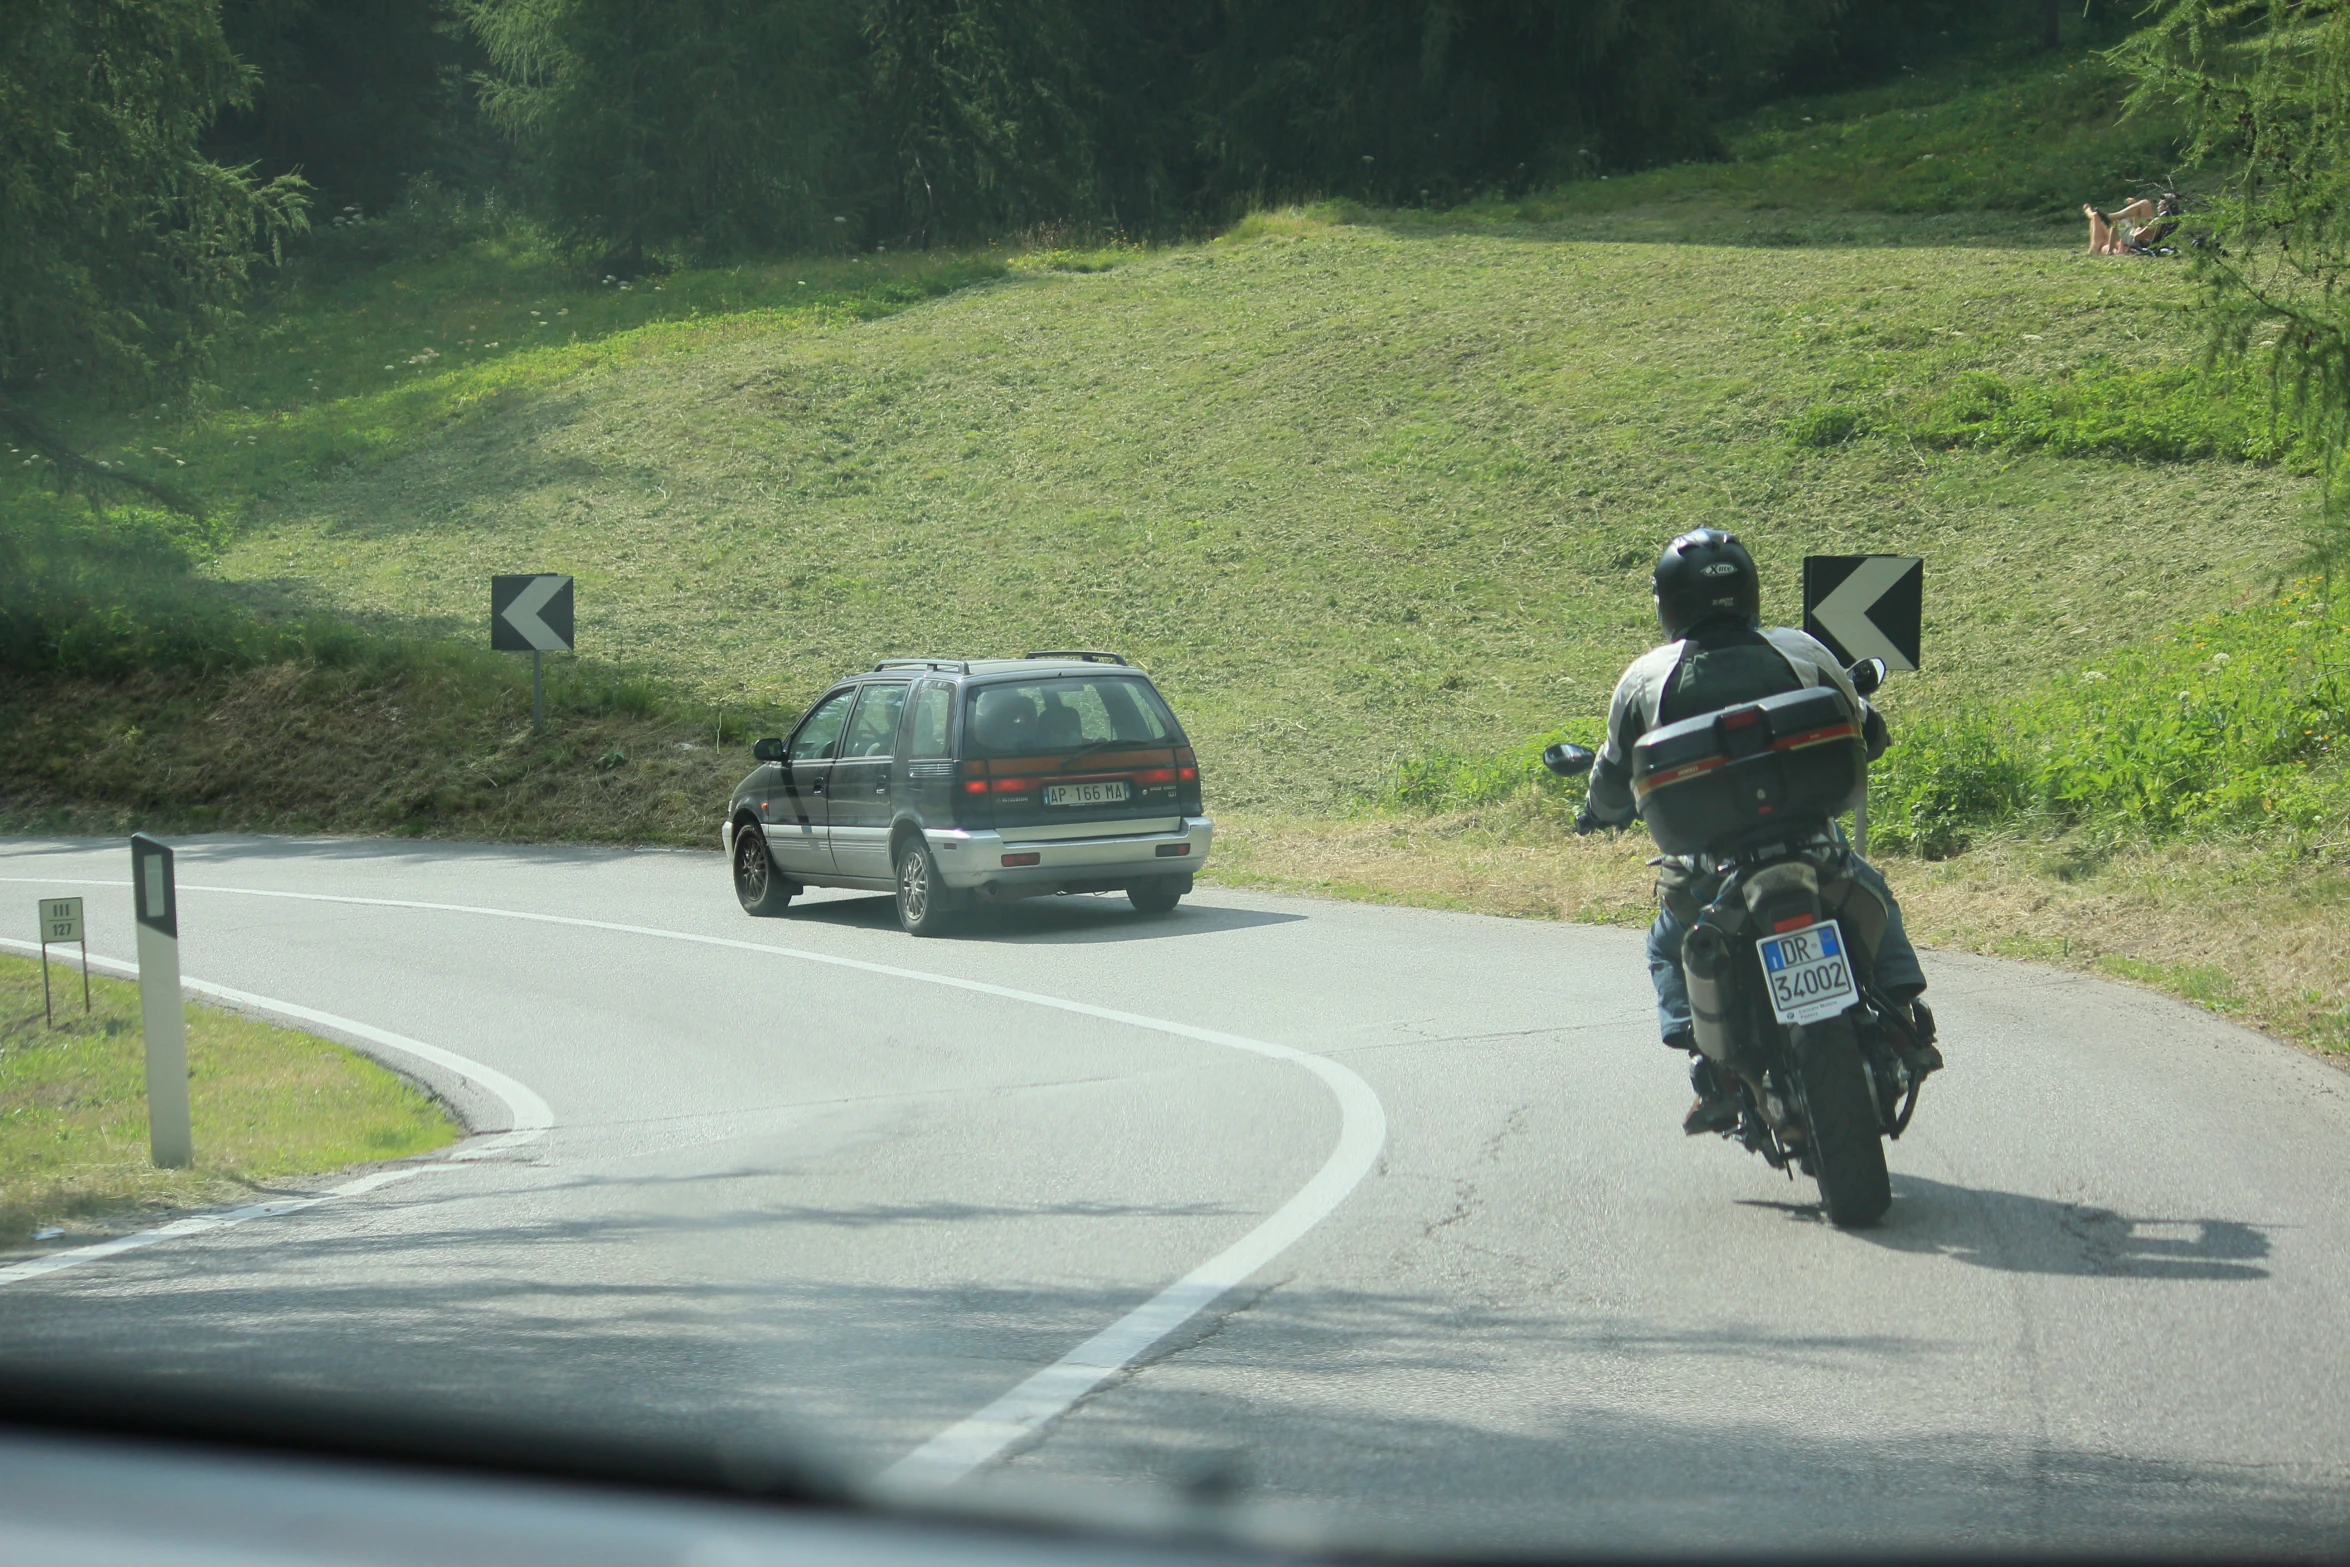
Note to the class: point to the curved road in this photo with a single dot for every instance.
(795, 1183)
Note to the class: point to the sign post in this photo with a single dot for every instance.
(531, 612)
(61, 921)
(1866, 606)
(155, 897)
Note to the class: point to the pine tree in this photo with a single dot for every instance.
(124, 251)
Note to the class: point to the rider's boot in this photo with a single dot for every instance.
(1716, 1109)
(1913, 1036)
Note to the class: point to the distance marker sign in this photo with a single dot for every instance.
(1866, 606)
(530, 613)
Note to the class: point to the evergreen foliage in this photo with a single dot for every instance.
(123, 248)
(712, 126)
(719, 125)
(2264, 86)
(356, 96)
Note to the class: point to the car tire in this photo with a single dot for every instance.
(1154, 897)
(925, 904)
(759, 887)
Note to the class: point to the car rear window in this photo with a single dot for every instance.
(1063, 714)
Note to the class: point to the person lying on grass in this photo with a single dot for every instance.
(2127, 233)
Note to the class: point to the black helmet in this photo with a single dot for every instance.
(1703, 574)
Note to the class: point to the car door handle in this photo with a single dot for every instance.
(816, 786)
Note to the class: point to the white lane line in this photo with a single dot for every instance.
(1028, 1408)
(199, 1224)
(528, 1119)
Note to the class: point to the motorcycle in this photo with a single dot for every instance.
(1779, 956)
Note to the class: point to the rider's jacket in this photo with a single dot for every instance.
(1719, 664)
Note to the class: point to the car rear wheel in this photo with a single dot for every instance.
(758, 885)
(925, 904)
(1154, 897)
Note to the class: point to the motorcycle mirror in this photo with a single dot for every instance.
(1568, 761)
(770, 750)
(1867, 675)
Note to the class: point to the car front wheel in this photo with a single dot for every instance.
(758, 885)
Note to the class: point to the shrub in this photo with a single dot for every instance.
(2241, 719)
(2151, 415)
(1442, 780)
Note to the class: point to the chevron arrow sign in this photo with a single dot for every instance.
(530, 613)
(1866, 606)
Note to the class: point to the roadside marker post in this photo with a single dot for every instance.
(155, 899)
(1866, 606)
(61, 922)
(530, 612)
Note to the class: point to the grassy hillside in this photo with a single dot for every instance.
(1352, 493)
(1374, 495)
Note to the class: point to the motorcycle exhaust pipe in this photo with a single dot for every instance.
(1705, 969)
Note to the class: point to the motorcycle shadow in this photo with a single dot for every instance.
(2017, 1233)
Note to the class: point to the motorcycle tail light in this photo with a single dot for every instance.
(1790, 922)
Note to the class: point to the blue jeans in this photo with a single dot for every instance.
(1897, 961)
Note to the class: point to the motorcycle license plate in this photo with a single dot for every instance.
(1808, 973)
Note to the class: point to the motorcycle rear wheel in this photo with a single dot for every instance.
(1840, 1114)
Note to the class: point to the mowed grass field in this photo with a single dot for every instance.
(1351, 491)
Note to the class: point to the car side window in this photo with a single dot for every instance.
(934, 709)
(814, 741)
(874, 731)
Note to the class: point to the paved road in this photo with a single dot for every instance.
(2108, 1307)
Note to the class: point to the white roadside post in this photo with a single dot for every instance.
(61, 922)
(156, 901)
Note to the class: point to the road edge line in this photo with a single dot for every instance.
(1045, 1395)
(528, 1115)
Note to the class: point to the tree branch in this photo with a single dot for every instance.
(54, 446)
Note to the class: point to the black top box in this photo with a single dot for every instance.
(1709, 780)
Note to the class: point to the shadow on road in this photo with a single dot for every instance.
(2015, 1233)
(1085, 917)
(1442, 1421)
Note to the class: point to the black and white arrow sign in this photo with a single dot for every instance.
(1866, 606)
(530, 613)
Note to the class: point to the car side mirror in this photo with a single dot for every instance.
(1569, 761)
(1867, 675)
(768, 750)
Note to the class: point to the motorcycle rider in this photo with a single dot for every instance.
(1709, 601)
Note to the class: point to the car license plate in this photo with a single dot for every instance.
(1808, 973)
(1084, 793)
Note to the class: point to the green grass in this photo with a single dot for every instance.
(1354, 494)
(1973, 152)
(1365, 490)
(267, 1105)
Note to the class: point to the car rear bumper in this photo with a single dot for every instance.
(973, 861)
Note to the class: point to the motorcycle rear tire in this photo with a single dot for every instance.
(1847, 1154)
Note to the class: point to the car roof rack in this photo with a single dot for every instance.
(958, 666)
(1090, 655)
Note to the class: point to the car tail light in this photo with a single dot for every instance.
(1022, 859)
(1011, 785)
(1168, 851)
(1155, 775)
(975, 786)
(1186, 765)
